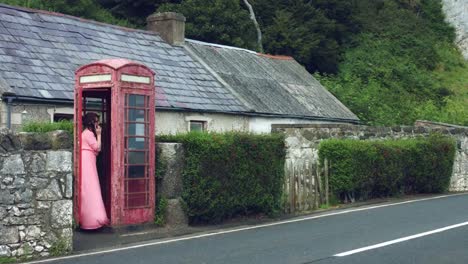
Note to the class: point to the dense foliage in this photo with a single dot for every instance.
(227, 175)
(214, 19)
(81, 8)
(395, 73)
(390, 61)
(370, 169)
(42, 127)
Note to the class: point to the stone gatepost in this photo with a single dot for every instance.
(169, 166)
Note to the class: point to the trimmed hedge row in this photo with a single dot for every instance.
(232, 174)
(371, 169)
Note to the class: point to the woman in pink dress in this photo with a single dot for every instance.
(92, 211)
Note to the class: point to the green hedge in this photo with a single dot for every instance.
(232, 174)
(370, 169)
(43, 127)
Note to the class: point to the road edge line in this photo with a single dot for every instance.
(300, 219)
(399, 240)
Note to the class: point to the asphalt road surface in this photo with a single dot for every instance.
(426, 231)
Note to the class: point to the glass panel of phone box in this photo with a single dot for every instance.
(136, 151)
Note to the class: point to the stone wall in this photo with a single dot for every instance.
(169, 166)
(35, 194)
(456, 12)
(302, 143)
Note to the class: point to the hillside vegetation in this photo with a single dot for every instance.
(390, 61)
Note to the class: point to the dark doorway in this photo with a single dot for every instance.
(98, 101)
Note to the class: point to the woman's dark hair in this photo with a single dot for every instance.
(88, 121)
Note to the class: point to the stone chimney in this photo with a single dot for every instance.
(169, 25)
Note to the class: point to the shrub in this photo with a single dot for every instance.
(227, 175)
(370, 169)
(59, 248)
(43, 127)
(160, 214)
(6, 260)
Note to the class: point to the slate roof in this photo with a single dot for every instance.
(271, 84)
(40, 51)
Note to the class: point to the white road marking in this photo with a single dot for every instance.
(136, 234)
(399, 240)
(236, 230)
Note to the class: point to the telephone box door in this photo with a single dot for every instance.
(138, 157)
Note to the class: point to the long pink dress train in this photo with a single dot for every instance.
(92, 211)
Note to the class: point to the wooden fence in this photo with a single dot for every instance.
(306, 185)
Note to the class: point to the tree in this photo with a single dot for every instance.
(217, 21)
(305, 33)
(136, 11)
(257, 27)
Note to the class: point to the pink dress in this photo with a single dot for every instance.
(92, 211)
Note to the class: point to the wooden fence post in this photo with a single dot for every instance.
(327, 201)
(319, 186)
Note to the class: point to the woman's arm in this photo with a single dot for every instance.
(93, 142)
(98, 135)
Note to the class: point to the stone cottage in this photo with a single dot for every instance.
(199, 86)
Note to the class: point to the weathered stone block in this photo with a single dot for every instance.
(61, 214)
(420, 130)
(24, 205)
(13, 165)
(7, 179)
(35, 162)
(175, 215)
(66, 236)
(6, 197)
(43, 205)
(19, 220)
(38, 183)
(38, 248)
(5, 251)
(34, 141)
(49, 239)
(24, 196)
(3, 213)
(69, 186)
(309, 135)
(292, 142)
(28, 212)
(33, 232)
(50, 193)
(19, 182)
(407, 129)
(9, 234)
(60, 140)
(171, 156)
(9, 142)
(59, 161)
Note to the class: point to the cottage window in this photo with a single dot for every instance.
(63, 117)
(197, 126)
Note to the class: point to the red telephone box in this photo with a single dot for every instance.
(122, 93)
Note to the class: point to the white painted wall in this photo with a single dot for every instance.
(167, 122)
(170, 122)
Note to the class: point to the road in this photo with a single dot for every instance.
(433, 230)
